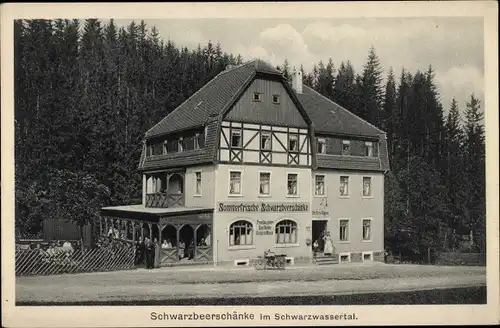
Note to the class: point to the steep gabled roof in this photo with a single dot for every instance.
(207, 106)
(211, 99)
(331, 118)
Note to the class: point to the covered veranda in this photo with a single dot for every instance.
(183, 234)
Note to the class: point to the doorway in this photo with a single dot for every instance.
(318, 231)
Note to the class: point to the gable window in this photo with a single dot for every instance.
(344, 230)
(346, 147)
(367, 229)
(344, 186)
(292, 180)
(321, 144)
(293, 142)
(264, 183)
(286, 232)
(319, 185)
(369, 148)
(236, 138)
(367, 186)
(241, 233)
(197, 190)
(276, 99)
(234, 183)
(257, 96)
(265, 141)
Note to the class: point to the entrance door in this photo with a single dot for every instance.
(318, 231)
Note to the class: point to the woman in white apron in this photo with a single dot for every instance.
(328, 250)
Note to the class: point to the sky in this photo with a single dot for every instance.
(454, 46)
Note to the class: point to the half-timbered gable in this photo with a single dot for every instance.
(249, 143)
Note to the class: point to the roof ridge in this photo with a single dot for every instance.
(346, 110)
(185, 101)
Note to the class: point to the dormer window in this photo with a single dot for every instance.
(257, 96)
(236, 138)
(346, 147)
(179, 145)
(321, 144)
(276, 99)
(369, 148)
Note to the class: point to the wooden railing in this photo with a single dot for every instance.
(164, 200)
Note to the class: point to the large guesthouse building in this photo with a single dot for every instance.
(250, 163)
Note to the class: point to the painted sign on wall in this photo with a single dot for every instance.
(262, 207)
(264, 227)
(320, 213)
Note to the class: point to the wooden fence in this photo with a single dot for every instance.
(40, 262)
(460, 258)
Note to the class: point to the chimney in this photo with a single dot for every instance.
(297, 81)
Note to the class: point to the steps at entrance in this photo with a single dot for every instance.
(326, 260)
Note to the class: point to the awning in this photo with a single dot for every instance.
(152, 214)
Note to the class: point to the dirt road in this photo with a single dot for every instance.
(170, 283)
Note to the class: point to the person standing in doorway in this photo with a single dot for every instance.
(328, 250)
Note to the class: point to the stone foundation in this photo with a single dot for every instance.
(379, 256)
(356, 257)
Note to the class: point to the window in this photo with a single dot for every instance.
(276, 99)
(187, 143)
(235, 183)
(367, 229)
(265, 183)
(367, 186)
(241, 233)
(197, 141)
(344, 230)
(346, 147)
(286, 232)
(292, 184)
(265, 141)
(321, 142)
(320, 185)
(197, 190)
(236, 138)
(345, 257)
(293, 142)
(257, 96)
(150, 150)
(165, 147)
(344, 186)
(369, 149)
(367, 256)
(172, 146)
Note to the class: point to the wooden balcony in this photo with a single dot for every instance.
(164, 200)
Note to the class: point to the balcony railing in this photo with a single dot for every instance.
(165, 200)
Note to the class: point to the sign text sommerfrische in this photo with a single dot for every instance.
(262, 207)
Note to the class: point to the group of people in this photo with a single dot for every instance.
(145, 252)
(327, 242)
